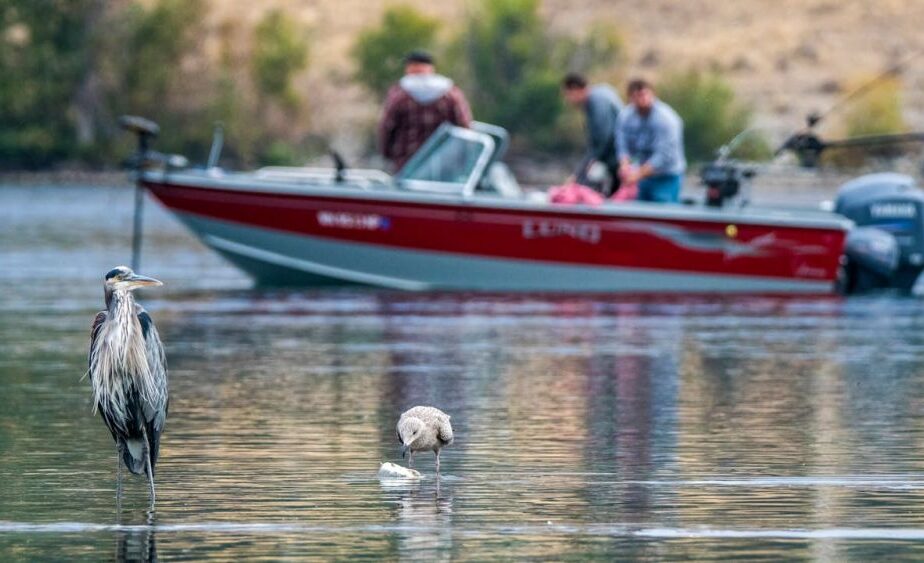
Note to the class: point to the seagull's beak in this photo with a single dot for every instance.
(404, 449)
(137, 280)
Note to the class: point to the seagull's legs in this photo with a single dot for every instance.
(410, 458)
(437, 462)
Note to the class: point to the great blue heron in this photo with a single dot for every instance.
(422, 429)
(128, 372)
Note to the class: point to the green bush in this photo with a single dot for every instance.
(379, 52)
(511, 65)
(147, 50)
(277, 153)
(156, 42)
(43, 63)
(71, 68)
(186, 103)
(601, 48)
(878, 111)
(505, 64)
(711, 115)
(280, 51)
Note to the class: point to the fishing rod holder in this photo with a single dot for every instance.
(807, 147)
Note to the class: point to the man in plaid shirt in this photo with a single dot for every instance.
(416, 106)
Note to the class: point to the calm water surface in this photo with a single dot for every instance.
(608, 427)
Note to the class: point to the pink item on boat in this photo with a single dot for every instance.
(574, 194)
(626, 193)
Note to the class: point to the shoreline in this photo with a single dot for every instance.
(108, 178)
(770, 181)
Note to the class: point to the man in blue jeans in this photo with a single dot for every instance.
(649, 138)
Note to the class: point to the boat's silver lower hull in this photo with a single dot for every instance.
(275, 257)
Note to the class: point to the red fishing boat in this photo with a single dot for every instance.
(454, 218)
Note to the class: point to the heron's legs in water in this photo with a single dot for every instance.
(150, 477)
(119, 472)
(147, 460)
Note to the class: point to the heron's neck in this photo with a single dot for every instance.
(120, 303)
(122, 336)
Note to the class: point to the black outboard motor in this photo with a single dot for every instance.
(886, 249)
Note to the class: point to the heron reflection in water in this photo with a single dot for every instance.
(128, 373)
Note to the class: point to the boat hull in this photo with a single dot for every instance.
(397, 241)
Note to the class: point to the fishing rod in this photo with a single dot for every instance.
(808, 145)
(726, 179)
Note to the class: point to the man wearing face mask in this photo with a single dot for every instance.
(416, 106)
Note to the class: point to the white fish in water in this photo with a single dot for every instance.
(390, 470)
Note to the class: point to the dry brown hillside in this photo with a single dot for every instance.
(786, 57)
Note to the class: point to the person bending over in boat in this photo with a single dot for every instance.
(649, 139)
(601, 105)
(416, 106)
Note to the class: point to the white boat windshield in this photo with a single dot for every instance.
(452, 160)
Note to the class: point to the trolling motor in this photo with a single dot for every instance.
(145, 129)
(144, 159)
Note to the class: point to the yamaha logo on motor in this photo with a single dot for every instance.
(893, 210)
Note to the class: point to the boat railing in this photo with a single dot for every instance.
(362, 178)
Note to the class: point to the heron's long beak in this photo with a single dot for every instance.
(137, 280)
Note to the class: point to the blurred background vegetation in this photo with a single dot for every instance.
(72, 67)
(711, 114)
(379, 51)
(877, 110)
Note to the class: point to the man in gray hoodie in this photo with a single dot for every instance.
(416, 106)
(601, 105)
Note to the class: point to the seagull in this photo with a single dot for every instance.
(422, 429)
